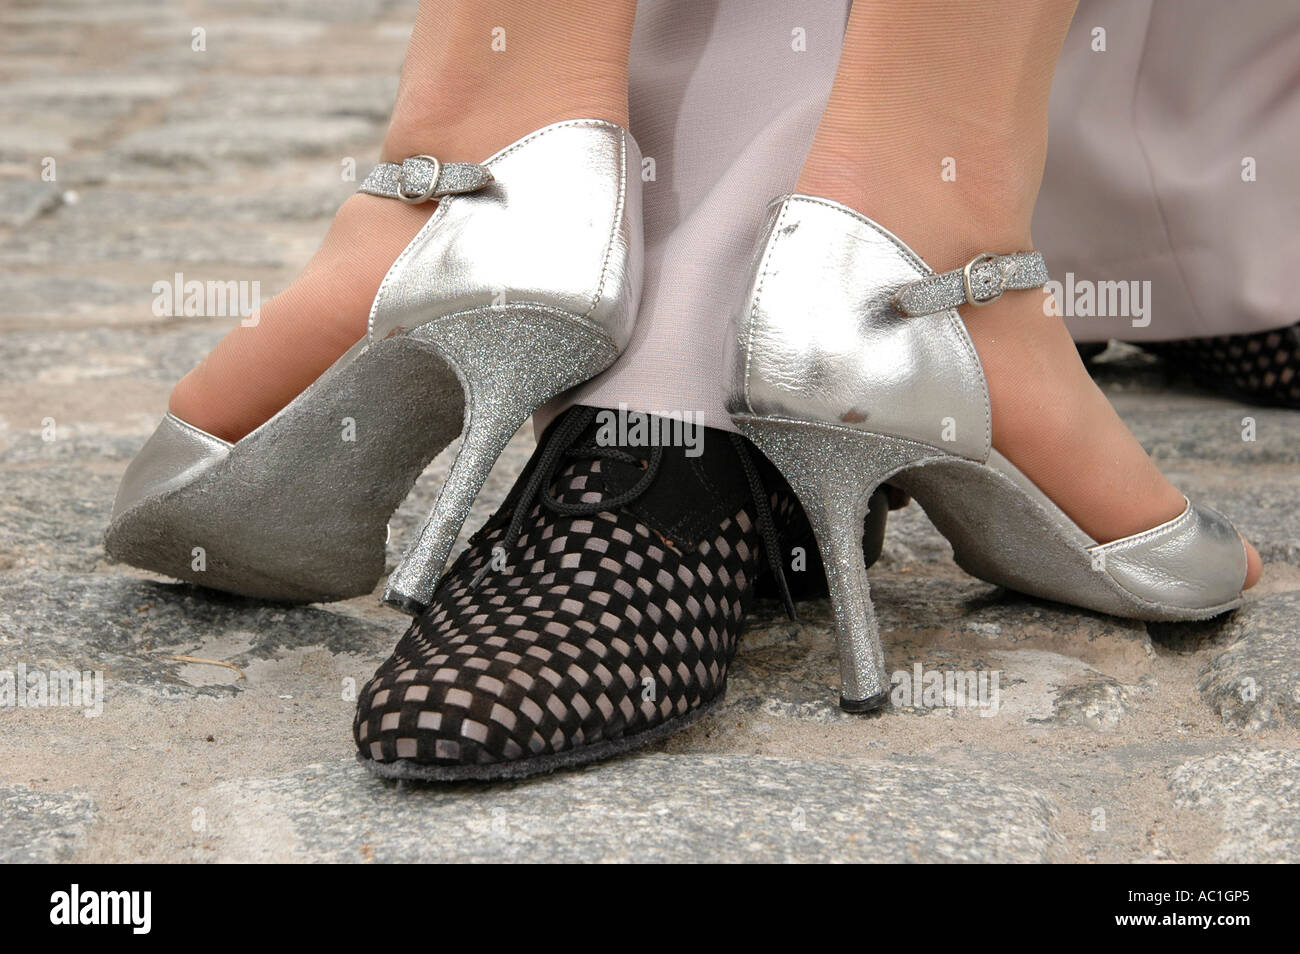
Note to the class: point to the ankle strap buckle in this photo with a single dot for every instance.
(981, 281)
(420, 178)
(971, 297)
(415, 198)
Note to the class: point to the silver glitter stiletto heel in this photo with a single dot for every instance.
(523, 283)
(852, 368)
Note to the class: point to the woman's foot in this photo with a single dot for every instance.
(255, 371)
(596, 611)
(466, 92)
(951, 162)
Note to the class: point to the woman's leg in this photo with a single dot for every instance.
(937, 128)
(467, 90)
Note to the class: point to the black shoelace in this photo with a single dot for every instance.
(766, 525)
(560, 446)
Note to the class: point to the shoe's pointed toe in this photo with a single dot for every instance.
(145, 529)
(408, 716)
(175, 454)
(551, 666)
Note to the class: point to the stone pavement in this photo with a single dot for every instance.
(1111, 740)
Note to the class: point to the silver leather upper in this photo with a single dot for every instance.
(559, 225)
(1194, 560)
(175, 454)
(819, 339)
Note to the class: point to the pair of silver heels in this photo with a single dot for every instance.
(851, 367)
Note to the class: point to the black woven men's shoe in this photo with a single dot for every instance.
(1260, 368)
(596, 611)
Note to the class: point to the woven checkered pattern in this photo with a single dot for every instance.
(1262, 368)
(595, 629)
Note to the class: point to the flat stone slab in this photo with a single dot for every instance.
(91, 359)
(368, 98)
(1254, 684)
(1018, 660)
(56, 299)
(22, 202)
(684, 808)
(1256, 796)
(1175, 427)
(211, 143)
(52, 240)
(42, 827)
(109, 208)
(134, 630)
(40, 529)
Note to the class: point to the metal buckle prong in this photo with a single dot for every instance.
(423, 196)
(966, 285)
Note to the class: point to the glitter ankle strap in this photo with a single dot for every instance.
(421, 178)
(981, 281)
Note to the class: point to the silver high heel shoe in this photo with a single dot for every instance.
(852, 368)
(523, 284)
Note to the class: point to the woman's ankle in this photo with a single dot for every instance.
(493, 116)
(945, 213)
(477, 136)
(940, 133)
(485, 73)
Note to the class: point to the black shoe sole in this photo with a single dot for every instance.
(410, 770)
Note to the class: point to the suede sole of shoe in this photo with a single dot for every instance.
(408, 770)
